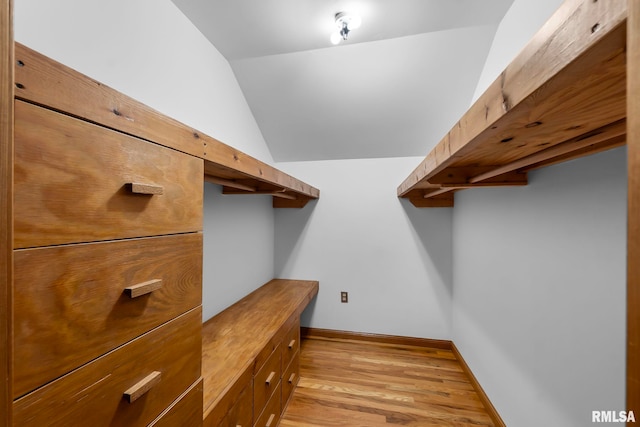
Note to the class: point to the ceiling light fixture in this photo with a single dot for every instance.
(345, 23)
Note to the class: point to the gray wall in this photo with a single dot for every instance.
(539, 291)
(393, 259)
(539, 275)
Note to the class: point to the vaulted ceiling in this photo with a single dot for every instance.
(393, 89)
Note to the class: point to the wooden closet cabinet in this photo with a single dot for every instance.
(251, 355)
(103, 283)
(107, 318)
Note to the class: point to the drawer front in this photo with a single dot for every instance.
(225, 397)
(290, 379)
(290, 344)
(186, 412)
(73, 183)
(71, 305)
(241, 415)
(266, 381)
(163, 362)
(270, 417)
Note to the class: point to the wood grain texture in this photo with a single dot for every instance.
(71, 180)
(238, 341)
(241, 414)
(46, 82)
(359, 383)
(6, 202)
(93, 394)
(71, 306)
(568, 81)
(306, 332)
(442, 201)
(232, 396)
(615, 131)
(143, 288)
(143, 386)
(234, 182)
(266, 380)
(218, 154)
(144, 188)
(290, 379)
(270, 416)
(186, 412)
(290, 345)
(299, 203)
(633, 227)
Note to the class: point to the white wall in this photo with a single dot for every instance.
(393, 259)
(539, 291)
(521, 22)
(238, 247)
(539, 276)
(150, 51)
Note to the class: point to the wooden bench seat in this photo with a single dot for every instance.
(243, 338)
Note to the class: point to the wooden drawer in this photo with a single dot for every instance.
(73, 183)
(94, 394)
(290, 379)
(241, 415)
(70, 304)
(218, 404)
(186, 412)
(266, 381)
(270, 417)
(290, 344)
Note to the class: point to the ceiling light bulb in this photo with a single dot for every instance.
(345, 22)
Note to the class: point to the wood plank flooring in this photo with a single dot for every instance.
(367, 384)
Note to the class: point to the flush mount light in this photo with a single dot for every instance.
(345, 23)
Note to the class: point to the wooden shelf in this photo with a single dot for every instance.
(562, 97)
(242, 336)
(42, 81)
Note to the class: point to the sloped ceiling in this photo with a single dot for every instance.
(393, 89)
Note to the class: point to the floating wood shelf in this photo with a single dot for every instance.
(42, 81)
(562, 97)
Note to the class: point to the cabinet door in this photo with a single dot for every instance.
(241, 415)
(266, 381)
(290, 379)
(290, 344)
(270, 417)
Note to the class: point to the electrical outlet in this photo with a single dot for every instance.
(344, 297)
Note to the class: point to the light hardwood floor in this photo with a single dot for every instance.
(367, 384)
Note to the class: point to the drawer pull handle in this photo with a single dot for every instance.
(292, 377)
(143, 288)
(140, 188)
(292, 343)
(268, 424)
(270, 378)
(143, 386)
